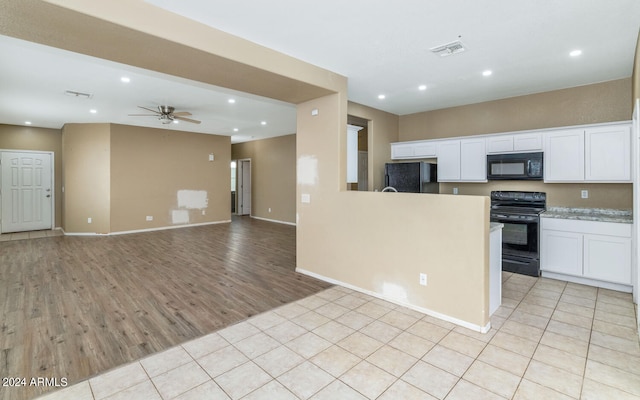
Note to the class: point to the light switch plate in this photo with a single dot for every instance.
(305, 198)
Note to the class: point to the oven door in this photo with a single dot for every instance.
(520, 243)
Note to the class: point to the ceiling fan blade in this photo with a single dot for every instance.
(181, 113)
(193, 121)
(149, 109)
(143, 115)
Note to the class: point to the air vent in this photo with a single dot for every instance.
(81, 95)
(448, 49)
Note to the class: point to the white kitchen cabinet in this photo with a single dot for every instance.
(519, 142)
(607, 258)
(411, 150)
(473, 160)
(608, 154)
(561, 252)
(564, 156)
(424, 149)
(463, 160)
(591, 252)
(401, 151)
(598, 154)
(448, 160)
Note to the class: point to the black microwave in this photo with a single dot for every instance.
(517, 166)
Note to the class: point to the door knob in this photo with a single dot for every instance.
(48, 195)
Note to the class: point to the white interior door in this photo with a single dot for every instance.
(244, 187)
(26, 191)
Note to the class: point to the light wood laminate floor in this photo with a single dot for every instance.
(73, 307)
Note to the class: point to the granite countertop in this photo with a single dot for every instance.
(590, 214)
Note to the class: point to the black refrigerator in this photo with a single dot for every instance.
(412, 177)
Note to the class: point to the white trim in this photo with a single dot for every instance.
(274, 220)
(620, 287)
(465, 324)
(162, 228)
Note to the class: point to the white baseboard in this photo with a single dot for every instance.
(435, 314)
(162, 228)
(586, 281)
(274, 220)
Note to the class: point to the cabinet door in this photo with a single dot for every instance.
(564, 156)
(607, 258)
(401, 150)
(448, 160)
(473, 160)
(608, 154)
(424, 149)
(500, 144)
(527, 142)
(561, 252)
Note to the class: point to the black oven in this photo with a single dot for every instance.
(518, 166)
(519, 212)
(520, 243)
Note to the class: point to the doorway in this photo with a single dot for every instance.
(27, 196)
(363, 154)
(244, 186)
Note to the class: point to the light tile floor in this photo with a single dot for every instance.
(549, 340)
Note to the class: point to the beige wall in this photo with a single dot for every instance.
(149, 166)
(14, 137)
(602, 102)
(273, 176)
(86, 178)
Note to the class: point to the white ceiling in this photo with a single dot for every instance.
(381, 46)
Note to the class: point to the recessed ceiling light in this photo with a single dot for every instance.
(93, 111)
(575, 53)
(487, 72)
(125, 79)
(231, 101)
(27, 122)
(381, 96)
(235, 129)
(422, 87)
(263, 122)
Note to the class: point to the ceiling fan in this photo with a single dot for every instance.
(167, 115)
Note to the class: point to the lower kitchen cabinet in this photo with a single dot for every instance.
(591, 252)
(607, 258)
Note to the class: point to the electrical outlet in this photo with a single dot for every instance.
(423, 279)
(89, 220)
(455, 190)
(584, 194)
(149, 217)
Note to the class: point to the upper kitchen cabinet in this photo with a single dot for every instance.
(409, 150)
(462, 160)
(448, 160)
(598, 154)
(564, 156)
(608, 154)
(516, 143)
